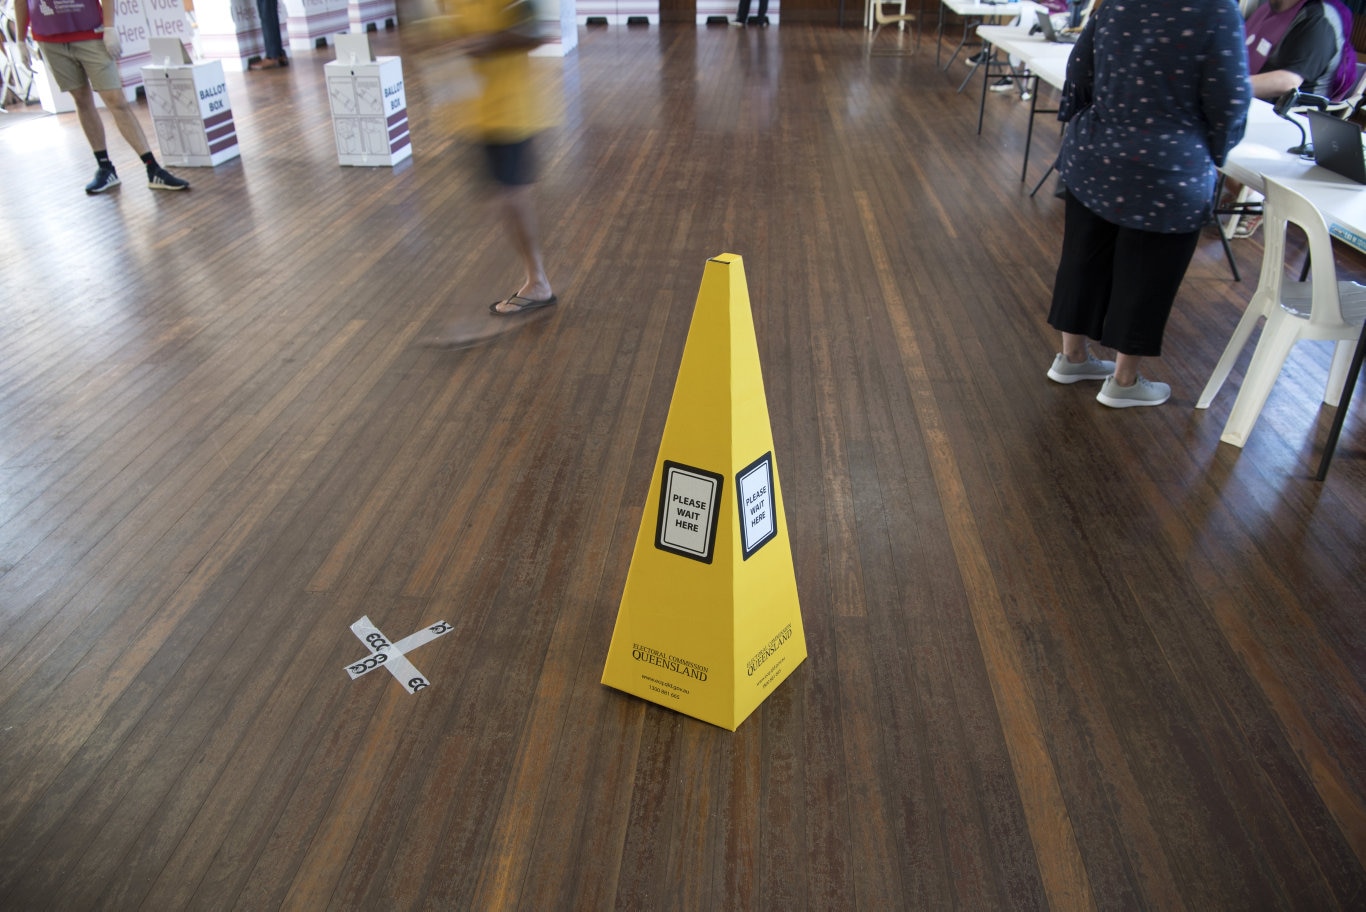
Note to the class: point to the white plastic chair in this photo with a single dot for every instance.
(1322, 308)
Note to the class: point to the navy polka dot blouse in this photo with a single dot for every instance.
(1157, 93)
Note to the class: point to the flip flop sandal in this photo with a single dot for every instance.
(521, 305)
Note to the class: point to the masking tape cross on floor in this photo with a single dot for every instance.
(393, 656)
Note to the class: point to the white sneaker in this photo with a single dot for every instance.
(1143, 392)
(1064, 371)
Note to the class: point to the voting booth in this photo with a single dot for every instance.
(618, 12)
(369, 107)
(231, 32)
(313, 23)
(189, 105)
(371, 15)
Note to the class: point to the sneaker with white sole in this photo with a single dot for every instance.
(1064, 371)
(158, 178)
(105, 179)
(1143, 392)
(1004, 84)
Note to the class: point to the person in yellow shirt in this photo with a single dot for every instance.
(509, 113)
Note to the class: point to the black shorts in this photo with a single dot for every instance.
(511, 164)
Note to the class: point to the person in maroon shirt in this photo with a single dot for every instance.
(81, 48)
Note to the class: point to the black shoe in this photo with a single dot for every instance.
(979, 58)
(105, 178)
(1004, 84)
(158, 178)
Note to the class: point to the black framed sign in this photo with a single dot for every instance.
(689, 506)
(754, 497)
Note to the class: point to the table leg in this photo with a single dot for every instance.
(1228, 250)
(1029, 129)
(986, 66)
(1352, 374)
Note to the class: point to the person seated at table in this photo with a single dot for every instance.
(1292, 45)
(1299, 44)
(1072, 10)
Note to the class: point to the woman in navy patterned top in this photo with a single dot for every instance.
(1157, 94)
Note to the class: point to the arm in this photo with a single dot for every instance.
(111, 34)
(1225, 89)
(1275, 83)
(1081, 74)
(21, 32)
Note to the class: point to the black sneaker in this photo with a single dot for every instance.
(104, 179)
(158, 178)
(978, 58)
(1004, 84)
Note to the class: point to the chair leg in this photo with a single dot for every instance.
(1337, 371)
(1278, 337)
(1241, 333)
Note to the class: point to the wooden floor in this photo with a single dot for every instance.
(1061, 657)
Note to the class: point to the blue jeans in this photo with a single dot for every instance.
(269, 11)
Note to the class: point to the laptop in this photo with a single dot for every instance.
(1052, 34)
(1337, 145)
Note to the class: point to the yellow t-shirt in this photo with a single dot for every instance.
(516, 92)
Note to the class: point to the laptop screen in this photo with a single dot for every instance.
(1337, 145)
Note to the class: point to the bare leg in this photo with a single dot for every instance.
(1126, 369)
(1074, 347)
(520, 216)
(126, 120)
(86, 113)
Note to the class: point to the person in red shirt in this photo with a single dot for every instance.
(81, 48)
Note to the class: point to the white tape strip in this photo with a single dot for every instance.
(422, 637)
(393, 656)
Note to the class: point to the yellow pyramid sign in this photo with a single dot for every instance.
(709, 623)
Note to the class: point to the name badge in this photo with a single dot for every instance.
(1264, 47)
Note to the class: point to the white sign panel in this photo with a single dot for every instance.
(754, 493)
(689, 504)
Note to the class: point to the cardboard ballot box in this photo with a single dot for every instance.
(369, 107)
(189, 106)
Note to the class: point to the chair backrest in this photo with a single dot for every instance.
(1286, 206)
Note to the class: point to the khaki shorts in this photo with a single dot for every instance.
(78, 63)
